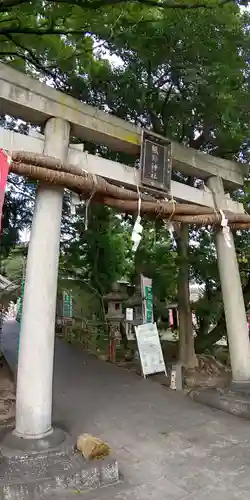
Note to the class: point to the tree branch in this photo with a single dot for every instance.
(28, 59)
(160, 4)
(21, 190)
(14, 30)
(9, 19)
(6, 5)
(33, 59)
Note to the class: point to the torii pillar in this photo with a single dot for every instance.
(36, 351)
(234, 307)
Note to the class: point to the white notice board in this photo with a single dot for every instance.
(150, 350)
(129, 314)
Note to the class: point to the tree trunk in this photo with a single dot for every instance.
(186, 338)
(207, 341)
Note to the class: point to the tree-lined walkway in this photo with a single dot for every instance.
(168, 447)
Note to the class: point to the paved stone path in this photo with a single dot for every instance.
(168, 447)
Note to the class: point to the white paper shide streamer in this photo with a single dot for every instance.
(225, 229)
(138, 228)
(75, 200)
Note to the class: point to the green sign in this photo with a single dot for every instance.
(149, 304)
(67, 305)
(147, 299)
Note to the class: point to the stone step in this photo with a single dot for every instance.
(236, 403)
(36, 475)
(108, 493)
(30, 467)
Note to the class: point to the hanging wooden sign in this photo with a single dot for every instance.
(156, 161)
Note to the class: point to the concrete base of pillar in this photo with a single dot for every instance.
(9, 441)
(234, 400)
(36, 469)
(241, 387)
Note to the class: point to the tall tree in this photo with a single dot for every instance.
(97, 252)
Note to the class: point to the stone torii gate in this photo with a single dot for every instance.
(62, 116)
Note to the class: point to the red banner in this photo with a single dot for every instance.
(4, 170)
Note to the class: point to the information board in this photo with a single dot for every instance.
(156, 161)
(129, 314)
(149, 346)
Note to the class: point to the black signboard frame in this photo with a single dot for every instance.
(156, 162)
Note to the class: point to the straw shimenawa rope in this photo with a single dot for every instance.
(52, 171)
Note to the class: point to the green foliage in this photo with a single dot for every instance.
(98, 253)
(156, 259)
(19, 199)
(86, 300)
(13, 266)
(16, 217)
(177, 65)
